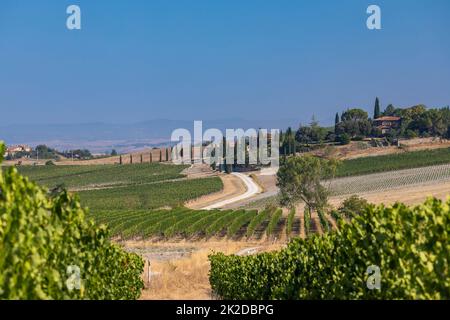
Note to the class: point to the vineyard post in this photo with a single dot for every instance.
(141, 158)
(120, 159)
(131, 159)
(160, 155)
(151, 160)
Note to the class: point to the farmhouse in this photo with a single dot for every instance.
(387, 124)
(12, 150)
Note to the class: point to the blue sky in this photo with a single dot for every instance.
(139, 60)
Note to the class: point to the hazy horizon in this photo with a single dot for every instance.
(218, 60)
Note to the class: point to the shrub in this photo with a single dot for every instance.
(411, 246)
(361, 145)
(344, 139)
(45, 240)
(353, 206)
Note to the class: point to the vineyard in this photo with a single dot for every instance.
(125, 187)
(334, 266)
(183, 223)
(392, 162)
(46, 242)
(192, 224)
(149, 196)
(390, 180)
(376, 182)
(101, 176)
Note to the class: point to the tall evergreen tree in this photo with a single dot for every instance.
(376, 111)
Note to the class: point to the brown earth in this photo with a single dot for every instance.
(411, 195)
(185, 276)
(359, 149)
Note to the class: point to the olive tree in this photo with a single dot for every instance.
(302, 179)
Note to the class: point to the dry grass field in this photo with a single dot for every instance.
(179, 270)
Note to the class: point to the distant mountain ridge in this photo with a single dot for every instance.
(102, 137)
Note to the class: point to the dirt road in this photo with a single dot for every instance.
(232, 187)
(251, 189)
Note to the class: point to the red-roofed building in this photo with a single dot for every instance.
(12, 150)
(387, 124)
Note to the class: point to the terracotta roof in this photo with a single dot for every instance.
(18, 148)
(388, 118)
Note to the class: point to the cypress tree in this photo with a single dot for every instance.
(376, 111)
(336, 122)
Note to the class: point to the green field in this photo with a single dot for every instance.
(179, 222)
(149, 196)
(79, 177)
(125, 187)
(407, 160)
(409, 244)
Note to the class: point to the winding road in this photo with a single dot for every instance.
(252, 189)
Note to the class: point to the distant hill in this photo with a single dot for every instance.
(102, 137)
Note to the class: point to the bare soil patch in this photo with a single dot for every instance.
(180, 270)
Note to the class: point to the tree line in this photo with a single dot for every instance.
(44, 152)
(356, 124)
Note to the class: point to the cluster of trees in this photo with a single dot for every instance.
(17, 155)
(44, 152)
(40, 152)
(82, 154)
(356, 124)
(418, 121)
